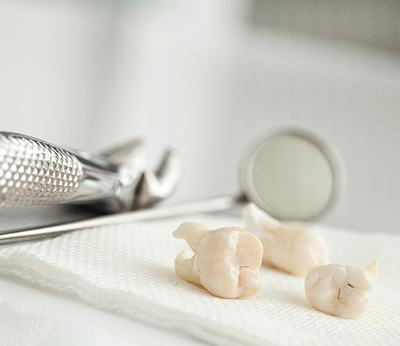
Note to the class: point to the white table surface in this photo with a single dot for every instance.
(32, 316)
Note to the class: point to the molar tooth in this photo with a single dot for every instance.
(225, 261)
(192, 233)
(184, 267)
(345, 295)
(294, 249)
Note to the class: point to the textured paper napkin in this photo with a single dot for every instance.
(130, 269)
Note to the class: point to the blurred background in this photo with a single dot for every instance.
(206, 77)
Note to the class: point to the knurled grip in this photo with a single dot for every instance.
(34, 172)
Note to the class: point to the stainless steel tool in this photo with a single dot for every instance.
(291, 173)
(33, 172)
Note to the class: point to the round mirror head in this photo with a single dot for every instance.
(291, 174)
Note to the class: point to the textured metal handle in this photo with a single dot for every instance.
(35, 172)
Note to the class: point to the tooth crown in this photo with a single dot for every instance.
(339, 290)
(225, 261)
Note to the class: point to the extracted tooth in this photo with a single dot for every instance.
(224, 261)
(293, 249)
(184, 267)
(340, 290)
(193, 233)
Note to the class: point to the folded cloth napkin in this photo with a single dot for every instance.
(130, 269)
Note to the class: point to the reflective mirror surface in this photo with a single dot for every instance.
(291, 174)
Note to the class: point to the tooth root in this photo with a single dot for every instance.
(184, 267)
(192, 233)
(307, 246)
(257, 219)
(373, 268)
(153, 187)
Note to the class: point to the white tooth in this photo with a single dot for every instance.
(293, 249)
(257, 220)
(184, 267)
(192, 233)
(339, 290)
(226, 261)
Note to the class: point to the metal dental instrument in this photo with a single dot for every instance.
(35, 172)
(291, 174)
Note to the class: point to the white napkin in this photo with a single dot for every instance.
(130, 269)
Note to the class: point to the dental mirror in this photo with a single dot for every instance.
(291, 174)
